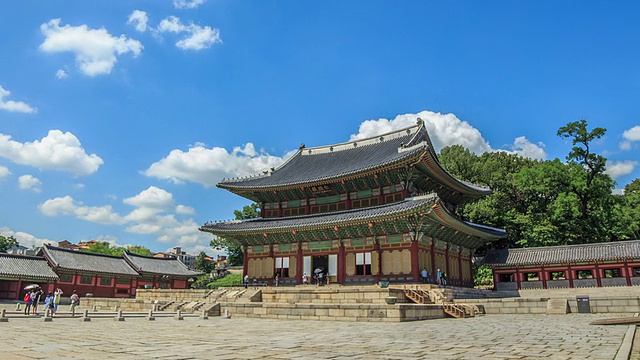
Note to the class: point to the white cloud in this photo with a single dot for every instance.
(615, 169)
(56, 151)
(28, 182)
(632, 134)
(523, 147)
(4, 172)
(208, 166)
(68, 206)
(186, 210)
(153, 197)
(198, 37)
(61, 74)
(25, 239)
(151, 216)
(187, 4)
(14, 106)
(95, 50)
(625, 145)
(445, 130)
(139, 20)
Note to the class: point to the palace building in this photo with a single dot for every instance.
(361, 212)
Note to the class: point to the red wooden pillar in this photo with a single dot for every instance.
(627, 273)
(460, 281)
(432, 271)
(569, 275)
(598, 276)
(519, 278)
(496, 280)
(415, 262)
(543, 276)
(376, 249)
(245, 261)
(341, 264)
(446, 261)
(299, 264)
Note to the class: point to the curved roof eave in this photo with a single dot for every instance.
(431, 161)
(484, 232)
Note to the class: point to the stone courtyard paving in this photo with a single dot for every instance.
(486, 337)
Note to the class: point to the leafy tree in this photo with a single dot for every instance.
(203, 264)
(235, 253)
(631, 205)
(139, 250)
(7, 243)
(103, 247)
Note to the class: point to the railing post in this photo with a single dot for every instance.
(150, 316)
(86, 317)
(119, 317)
(3, 316)
(178, 316)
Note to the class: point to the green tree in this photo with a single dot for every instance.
(631, 208)
(235, 254)
(139, 250)
(203, 264)
(103, 247)
(7, 243)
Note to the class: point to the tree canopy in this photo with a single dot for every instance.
(544, 203)
(103, 247)
(7, 242)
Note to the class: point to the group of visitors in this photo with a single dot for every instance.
(33, 297)
(441, 277)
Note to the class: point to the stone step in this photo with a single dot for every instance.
(557, 307)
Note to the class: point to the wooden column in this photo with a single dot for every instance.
(446, 261)
(415, 263)
(569, 275)
(519, 278)
(598, 276)
(299, 264)
(376, 249)
(543, 277)
(341, 264)
(245, 261)
(433, 259)
(460, 281)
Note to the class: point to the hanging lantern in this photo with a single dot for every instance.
(335, 228)
(370, 224)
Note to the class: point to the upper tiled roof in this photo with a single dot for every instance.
(79, 260)
(339, 160)
(619, 250)
(26, 267)
(168, 266)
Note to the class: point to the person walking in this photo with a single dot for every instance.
(27, 303)
(439, 277)
(35, 299)
(246, 281)
(56, 299)
(48, 305)
(75, 301)
(424, 275)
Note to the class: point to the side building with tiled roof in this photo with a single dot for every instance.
(164, 273)
(364, 211)
(19, 271)
(570, 266)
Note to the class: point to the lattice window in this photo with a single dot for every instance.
(363, 263)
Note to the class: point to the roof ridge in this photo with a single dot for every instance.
(375, 139)
(552, 247)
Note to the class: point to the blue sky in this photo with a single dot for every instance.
(117, 119)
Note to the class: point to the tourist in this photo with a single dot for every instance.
(444, 279)
(75, 301)
(424, 275)
(439, 277)
(56, 299)
(305, 279)
(246, 281)
(27, 303)
(319, 279)
(48, 305)
(35, 299)
(277, 278)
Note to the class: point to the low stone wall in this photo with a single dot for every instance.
(335, 312)
(625, 305)
(113, 304)
(172, 294)
(327, 295)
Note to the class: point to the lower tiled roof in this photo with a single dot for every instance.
(168, 266)
(26, 267)
(547, 255)
(84, 261)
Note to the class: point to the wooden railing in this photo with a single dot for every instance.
(417, 295)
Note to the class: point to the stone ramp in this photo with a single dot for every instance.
(557, 307)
